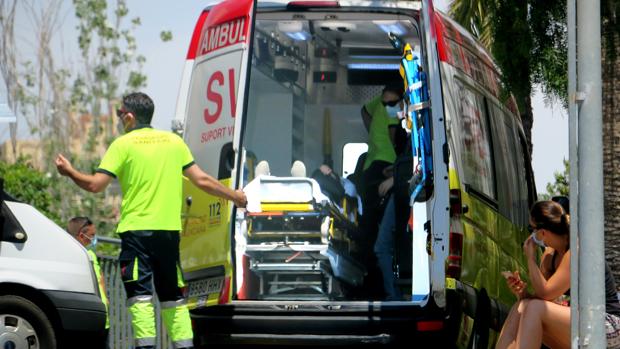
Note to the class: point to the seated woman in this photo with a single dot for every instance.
(543, 317)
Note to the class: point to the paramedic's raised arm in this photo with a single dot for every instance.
(366, 117)
(212, 186)
(93, 183)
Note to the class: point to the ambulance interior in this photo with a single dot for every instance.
(309, 80)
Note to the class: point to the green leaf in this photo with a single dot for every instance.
(165, 35)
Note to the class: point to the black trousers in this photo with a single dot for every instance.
(151, 257)
(373, 206)
(372, 203)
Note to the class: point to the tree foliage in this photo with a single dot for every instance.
(54, 97)
(527, 39)
(549, 56)
(560, 187)
(26, 184)
(109, 54)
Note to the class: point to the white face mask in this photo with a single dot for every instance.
(538, 242)
(392, 111)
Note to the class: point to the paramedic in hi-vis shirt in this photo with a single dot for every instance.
(149, 165)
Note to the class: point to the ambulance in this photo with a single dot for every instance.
(270, 103)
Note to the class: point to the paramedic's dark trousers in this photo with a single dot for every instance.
(369, 224)
(152, 257)
(372, 204)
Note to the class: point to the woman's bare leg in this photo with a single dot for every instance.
(509, 331)
(544, 321)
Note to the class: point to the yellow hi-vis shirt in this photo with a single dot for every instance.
(149, 166)
(380, 146)
(101, 282)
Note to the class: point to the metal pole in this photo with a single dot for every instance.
(591, 217)
(573, 174)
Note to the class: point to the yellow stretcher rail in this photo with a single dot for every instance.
(287, 207)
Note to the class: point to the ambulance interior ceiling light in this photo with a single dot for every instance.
(375, 57)
(299, 36)
(373, 66)
(294, 30)
(391, 27)
(344, 27)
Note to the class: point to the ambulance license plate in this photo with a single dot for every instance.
(206, 287)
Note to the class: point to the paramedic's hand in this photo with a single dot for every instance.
(388, 171)
(529, 248)
(63, 165)
(241, 200)
(385, 186)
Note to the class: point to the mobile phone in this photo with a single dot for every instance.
(508, 274)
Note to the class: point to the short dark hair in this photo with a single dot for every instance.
(140, 105)
(397, 88)
(76, 224)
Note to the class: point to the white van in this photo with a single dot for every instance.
(271, 91)
(48, 291)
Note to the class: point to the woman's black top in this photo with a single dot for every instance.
(612, 306)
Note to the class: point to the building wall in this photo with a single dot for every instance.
(611, 151)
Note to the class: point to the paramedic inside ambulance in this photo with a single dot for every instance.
(380, 116)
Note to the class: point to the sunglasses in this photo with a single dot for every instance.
(390, 103)
(120, 112)
(87, 223)
(532, 229)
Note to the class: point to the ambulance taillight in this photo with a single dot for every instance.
(311, 4)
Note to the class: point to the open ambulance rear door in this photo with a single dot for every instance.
(210, 111)
(438, 207)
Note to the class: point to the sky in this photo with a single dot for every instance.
(164, 66)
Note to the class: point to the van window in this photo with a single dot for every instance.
(511, 182)
(524, 178)
(473, 139)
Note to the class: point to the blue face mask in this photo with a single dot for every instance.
(392, 111)
(538, 242)
(93, 243)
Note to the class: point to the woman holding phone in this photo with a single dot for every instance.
(543, 317)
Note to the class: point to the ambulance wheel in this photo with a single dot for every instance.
(482, 322)
(24, 325)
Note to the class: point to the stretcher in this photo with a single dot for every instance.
(298, 242)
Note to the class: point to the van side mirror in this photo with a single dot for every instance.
(12, 231)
